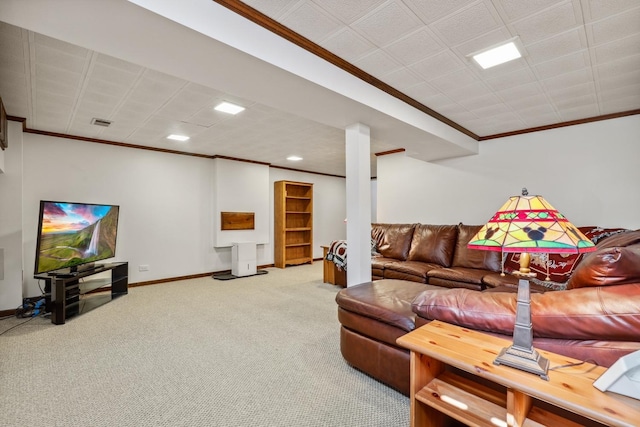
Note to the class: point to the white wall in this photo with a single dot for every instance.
(11, 292)
(241, 187)
(167, 208)
(588, 172)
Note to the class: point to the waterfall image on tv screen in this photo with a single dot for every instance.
(72, 234)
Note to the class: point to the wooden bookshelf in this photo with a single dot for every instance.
(293, 233)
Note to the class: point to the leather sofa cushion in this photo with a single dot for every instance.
(387, 301)
(459, 274)
(496, 281)
(393, 240)
(473, 258)
(608, 266)
(433, 244)
(610, 313)
(414, 268)
(379, 262)
(392, 274)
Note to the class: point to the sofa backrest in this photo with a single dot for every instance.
(433, 244)
(393, 240)
(474, 258)
(560, 267)
(616, 261)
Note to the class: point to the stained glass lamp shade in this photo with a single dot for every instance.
(528, 224)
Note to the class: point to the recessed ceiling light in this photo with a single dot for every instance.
(497, 55)
(227, 107)
(178, 137)
(294, 158)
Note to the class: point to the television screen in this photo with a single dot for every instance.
(73, 234)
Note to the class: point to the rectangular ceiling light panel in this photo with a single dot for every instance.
(497, 55)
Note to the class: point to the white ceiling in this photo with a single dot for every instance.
(582, 60)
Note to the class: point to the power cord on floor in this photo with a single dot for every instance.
(15, 326)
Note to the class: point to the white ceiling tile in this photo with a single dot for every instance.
(348, 11)
(547, 23)
(629, 91)
(617, 49)
(387, 23)
(615, 27)
(515, 9)
(114, 76)
(571, 91)
(615, 105)
(517, 78)
(563, 64)
(579, 112)
(415, 46)
(378, 63)
(491, 112)
(598, 9)
(422, 91)
(533, 120)
(438, 102)
(46, 73)
(571, 103)
(438, 65)
(311, 21)
(568, 80)
(68, 48)
(468, 23)
(402, 79)
(560, 45)
(61, 60)
(455, 80)
(432, 10)
(473, 104)
(536, 101)
(473, 90)
(617, 68)
(271, 8)
(619, 81)
(348, 45)
(541, 109)
(523, 91)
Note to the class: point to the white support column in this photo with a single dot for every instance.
(358, 154)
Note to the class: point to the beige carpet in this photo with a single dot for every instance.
(258, 351)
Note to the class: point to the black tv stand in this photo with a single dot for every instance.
(68, 294)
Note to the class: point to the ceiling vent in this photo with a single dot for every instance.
(100, 122)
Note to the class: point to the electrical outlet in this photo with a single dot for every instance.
(143, 267)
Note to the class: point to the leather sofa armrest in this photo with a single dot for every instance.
(602, 313)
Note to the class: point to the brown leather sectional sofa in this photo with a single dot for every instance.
(426, 272)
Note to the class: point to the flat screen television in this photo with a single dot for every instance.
(74, 235)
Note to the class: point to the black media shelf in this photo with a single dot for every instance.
(67, 296)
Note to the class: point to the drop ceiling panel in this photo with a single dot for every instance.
(547, 23)
(311, 21)
(616, 27)
(571, 70)
(348, 45)
(515, 9)
(387, 23)
(415, 46)
(468, 23)
(348, 11)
